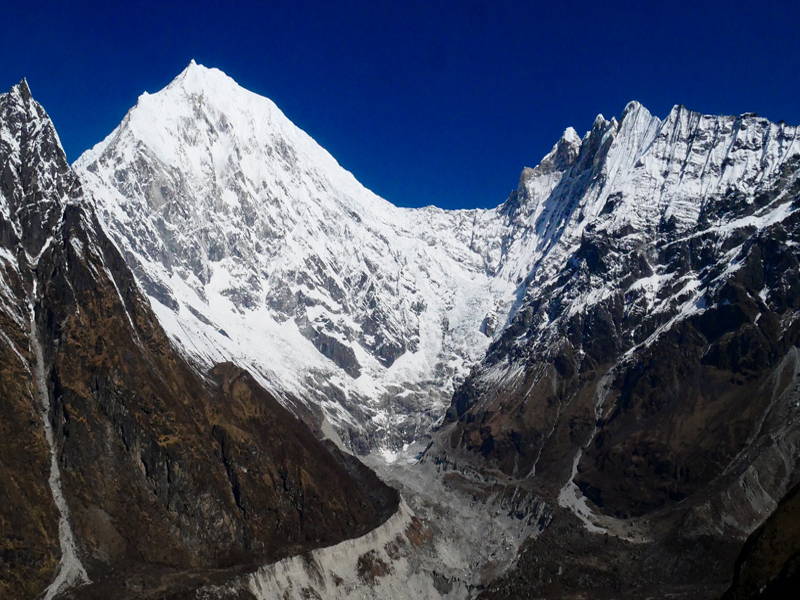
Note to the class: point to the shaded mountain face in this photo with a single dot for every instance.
(653, 362)
(122, 465)
(35, 180)
(769, 564)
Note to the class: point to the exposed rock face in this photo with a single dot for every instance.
(567, 561)
(769, 564)
(29, 519)
(160, 476)
(650, 373)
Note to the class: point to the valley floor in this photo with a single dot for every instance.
(457, 535)
(460, 535)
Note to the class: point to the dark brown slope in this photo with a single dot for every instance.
(567, 562)
(28, 517)
(169, 475)
(768, 567)
(29, 545)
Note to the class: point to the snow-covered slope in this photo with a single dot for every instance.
(255, 246)
(118, 459)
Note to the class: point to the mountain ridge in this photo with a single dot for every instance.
(347, 341)
(665, 250)
(325, 270)
(609, 357)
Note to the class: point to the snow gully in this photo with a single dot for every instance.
(70, 569)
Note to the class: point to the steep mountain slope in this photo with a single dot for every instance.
(125, 472)
(255, 246)
(768, 566)
(35, 180)
(649, 380)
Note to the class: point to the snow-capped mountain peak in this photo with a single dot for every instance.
(256, 246)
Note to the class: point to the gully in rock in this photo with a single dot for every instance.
(71, 572)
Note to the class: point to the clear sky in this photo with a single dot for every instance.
(425, 102)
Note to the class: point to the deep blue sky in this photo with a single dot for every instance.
(425, 102)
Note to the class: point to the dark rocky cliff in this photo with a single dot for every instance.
(768, 568)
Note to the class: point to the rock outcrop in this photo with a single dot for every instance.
(768, 568)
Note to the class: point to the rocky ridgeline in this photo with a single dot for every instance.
(648, 381)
